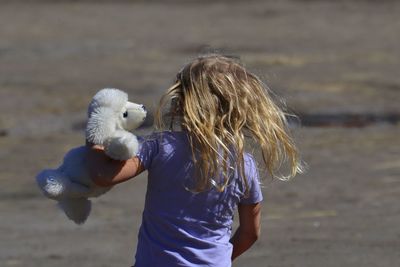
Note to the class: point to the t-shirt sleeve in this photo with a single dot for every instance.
(148, 150)
(254, 194)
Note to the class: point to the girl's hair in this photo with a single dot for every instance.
(218, 103)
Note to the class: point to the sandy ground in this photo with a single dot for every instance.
(322, 57)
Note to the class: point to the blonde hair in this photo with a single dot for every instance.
(219, 103)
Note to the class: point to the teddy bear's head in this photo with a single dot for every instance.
(109, 111)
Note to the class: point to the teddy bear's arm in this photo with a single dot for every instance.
(122, 145)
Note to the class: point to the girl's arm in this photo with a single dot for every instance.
(249, 228)
(106, 172)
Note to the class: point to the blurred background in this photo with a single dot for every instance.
(335, 63)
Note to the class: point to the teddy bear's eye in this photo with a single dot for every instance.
(125, 114)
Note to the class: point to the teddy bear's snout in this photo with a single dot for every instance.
(143, 107)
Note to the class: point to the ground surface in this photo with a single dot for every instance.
(322, 57)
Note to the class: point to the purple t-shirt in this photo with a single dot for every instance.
(179, 227)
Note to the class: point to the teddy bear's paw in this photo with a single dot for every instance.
(76, 209)
(53, 183)
(122, 147)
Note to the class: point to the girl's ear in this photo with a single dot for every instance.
(101, 125)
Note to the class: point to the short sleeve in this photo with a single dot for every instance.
(254, 194)
(148, 150)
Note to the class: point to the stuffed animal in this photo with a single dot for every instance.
(110, 117)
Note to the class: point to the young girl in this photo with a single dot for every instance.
(199, 174)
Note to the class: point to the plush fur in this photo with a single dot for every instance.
(111, 115)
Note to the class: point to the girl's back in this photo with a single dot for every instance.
(180, 227)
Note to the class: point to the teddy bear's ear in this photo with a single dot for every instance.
(101, 125)
(108, 97)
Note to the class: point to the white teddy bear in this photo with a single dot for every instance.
(111, 116)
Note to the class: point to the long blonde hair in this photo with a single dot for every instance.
(218, 103)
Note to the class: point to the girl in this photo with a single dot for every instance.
(198, 176)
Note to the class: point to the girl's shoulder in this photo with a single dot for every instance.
(250, 165)
(159, 134)
(164, 142)
(249, 160)
(164, 137)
